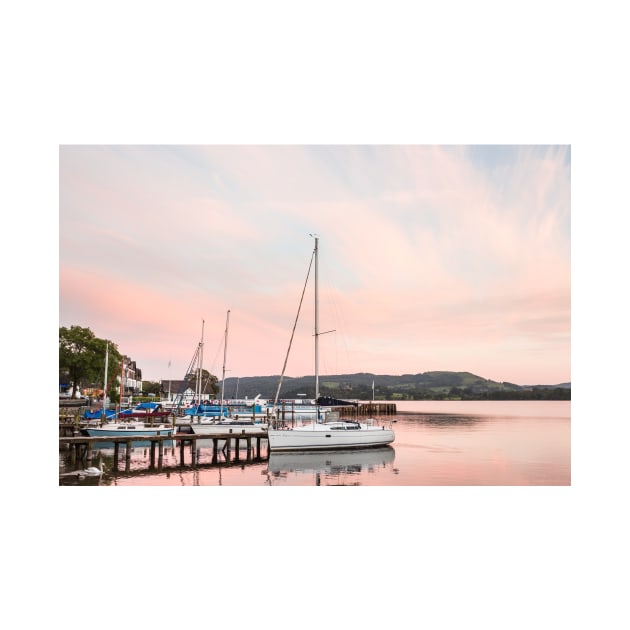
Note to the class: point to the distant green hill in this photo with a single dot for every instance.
(427, 385)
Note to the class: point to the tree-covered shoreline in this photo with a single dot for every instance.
(423, 386)
(82, 354)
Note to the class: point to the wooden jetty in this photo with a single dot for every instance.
(228, 443)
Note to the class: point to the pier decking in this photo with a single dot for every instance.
(229, 444)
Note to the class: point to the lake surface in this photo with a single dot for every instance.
(438, 443)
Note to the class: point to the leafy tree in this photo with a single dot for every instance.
(209, 383)
(151, 387)
(82, 358)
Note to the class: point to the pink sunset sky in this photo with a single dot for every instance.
(431, 257)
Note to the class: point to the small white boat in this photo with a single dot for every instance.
(205, 426)
(228, 410)
(128, 429)
(256, 410)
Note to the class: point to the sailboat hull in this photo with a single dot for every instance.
(324, 438)
(127, 430)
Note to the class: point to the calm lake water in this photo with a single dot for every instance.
(438, 443)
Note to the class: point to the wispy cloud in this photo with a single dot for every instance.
(432, 257)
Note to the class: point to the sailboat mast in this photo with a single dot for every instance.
(227, 324)
(200, 367)
(316, 324)
(105, 379)
(169, 380)
(122, 379)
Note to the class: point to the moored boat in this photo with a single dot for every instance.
(207, 426)
(219, 417)
(102, 415)
(256, 410)
(341, 434)
(206, 409)
(336, 434)
(128, 429)
(147, 410)
(95, 417)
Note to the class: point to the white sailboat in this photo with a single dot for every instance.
(338, 434)
(200, 410)
(122, 426)
(104, 414)
(224, 421)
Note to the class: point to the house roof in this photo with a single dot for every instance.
(176, 387)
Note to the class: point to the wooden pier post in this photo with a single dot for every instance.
(228, 448)
(128, 456)
(193, 452)
(89, 453)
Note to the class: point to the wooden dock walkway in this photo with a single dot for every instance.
(229, 444)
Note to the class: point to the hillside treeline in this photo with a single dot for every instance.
(423, 386)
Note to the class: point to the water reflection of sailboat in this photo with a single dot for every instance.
(334, 461)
